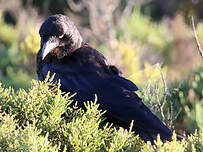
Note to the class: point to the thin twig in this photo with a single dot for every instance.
(165, 87)
(196, 38)
(156, 91)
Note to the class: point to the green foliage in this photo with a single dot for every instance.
(200, 31)
(194, 144)
(130, 64)
(188, 96)
(140, 28)
(12, 66)
(14, 138)
(45, 119)
(182, 101)
(31, 44)
(157, 97)
(84, 133)
(7, 35)
(39, 103)
(195, 141)
(43, 105)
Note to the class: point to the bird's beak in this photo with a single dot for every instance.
(49, 45)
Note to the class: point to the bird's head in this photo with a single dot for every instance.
(59, 36)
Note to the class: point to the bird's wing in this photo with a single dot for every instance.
(115, 94)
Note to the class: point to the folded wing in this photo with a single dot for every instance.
(115, 94)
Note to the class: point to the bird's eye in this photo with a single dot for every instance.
(61, 36)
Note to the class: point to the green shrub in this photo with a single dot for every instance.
(40, 104)
(14, 138)
(188, 96)
(150, 34)
(43, 106)
(159, 101)
(46, 119)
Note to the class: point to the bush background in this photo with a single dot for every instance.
(150, 41)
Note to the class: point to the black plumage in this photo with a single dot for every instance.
(83, 70)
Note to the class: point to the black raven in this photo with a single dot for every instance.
(83, 70)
